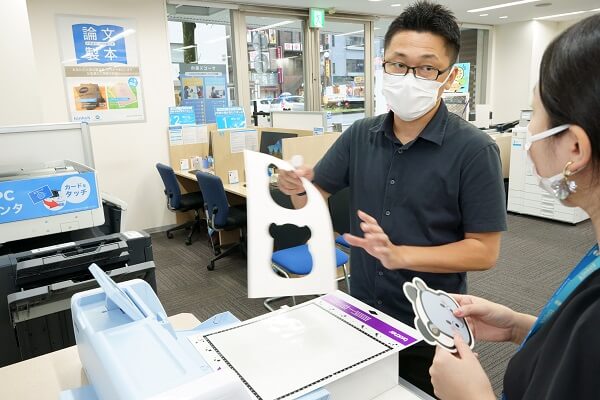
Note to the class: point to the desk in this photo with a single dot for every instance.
(238, 189)
(44, 377)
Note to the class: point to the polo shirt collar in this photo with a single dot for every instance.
(434, 131)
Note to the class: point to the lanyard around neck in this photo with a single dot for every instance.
(589, 264)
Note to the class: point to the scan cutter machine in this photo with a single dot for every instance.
(333, 347)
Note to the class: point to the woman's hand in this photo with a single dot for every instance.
(459, 376)
(489, 321)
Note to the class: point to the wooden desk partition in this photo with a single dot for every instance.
(181, 151)
(311, 148)
(226, 161)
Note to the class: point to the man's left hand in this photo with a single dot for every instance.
(459, 375)
(377, 243)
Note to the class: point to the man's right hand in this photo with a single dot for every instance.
(289, 181)
(492, 322)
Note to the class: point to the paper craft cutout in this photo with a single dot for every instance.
(262, 212)
(434, 316)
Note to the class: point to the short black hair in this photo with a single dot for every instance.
(425, 16)
(569, 85)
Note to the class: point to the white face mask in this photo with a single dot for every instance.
(409, 97)
(558, 185)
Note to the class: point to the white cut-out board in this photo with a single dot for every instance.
(262, 211)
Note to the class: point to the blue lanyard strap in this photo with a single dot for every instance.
(586, 267)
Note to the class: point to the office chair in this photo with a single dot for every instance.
(178, 202)
(298, 261)
(219, 215)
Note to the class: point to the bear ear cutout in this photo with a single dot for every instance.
(410, 291)
(418, 282)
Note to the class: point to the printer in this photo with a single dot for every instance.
(36, 288)
(333, 347)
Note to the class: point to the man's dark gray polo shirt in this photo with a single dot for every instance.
(427, 192)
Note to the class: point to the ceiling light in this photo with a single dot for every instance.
(562, 15)
(514, 3)
(396, 5)
(262, 28)
(375, 0)
(503, 17)
(350, 33)
(483, 15)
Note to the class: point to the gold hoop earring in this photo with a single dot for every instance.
(565, 187)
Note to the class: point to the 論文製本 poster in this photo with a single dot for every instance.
(101, 67)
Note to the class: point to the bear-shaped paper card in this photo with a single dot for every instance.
(434, 315)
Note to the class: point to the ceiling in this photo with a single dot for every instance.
(523, 12)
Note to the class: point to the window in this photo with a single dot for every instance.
(200, 41)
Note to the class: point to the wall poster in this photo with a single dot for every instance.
(204, 87)
(101, 68)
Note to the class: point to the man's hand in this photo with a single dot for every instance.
(289, 181)
(377, 243)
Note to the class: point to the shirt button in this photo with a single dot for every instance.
(392, 182)
(379, 302)
(388, 213)
(380, 273)
(400, 151)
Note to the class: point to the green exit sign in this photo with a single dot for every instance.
(317, 18)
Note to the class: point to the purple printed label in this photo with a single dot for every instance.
(380, 326)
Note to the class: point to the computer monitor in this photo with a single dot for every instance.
(270, 142)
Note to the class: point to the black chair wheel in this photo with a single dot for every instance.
(169, 235)
(188, 241)
(210, 267)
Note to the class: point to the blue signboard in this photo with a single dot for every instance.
(183, 115)
(99, 43)
(47, 196)
(230, 117)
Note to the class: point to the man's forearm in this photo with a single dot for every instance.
(465, 255)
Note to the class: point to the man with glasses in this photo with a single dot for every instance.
(427, 194)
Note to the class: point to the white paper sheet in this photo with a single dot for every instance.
(262, 211)
(193, 134)
(240, 140)
(175, 136)
(294, 350)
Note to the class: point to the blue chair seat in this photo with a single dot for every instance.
(341, 241)
(297, 260)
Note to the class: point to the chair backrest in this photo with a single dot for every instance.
(339, 208)
(172, 190)
(215, 198)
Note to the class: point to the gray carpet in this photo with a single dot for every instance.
(536, 256)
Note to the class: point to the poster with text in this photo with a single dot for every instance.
(100, 62)
(204, 87)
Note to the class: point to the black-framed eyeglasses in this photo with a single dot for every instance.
(426, 72)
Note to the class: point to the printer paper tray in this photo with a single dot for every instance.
(46, 300)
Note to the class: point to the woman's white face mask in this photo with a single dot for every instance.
(558, 185)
